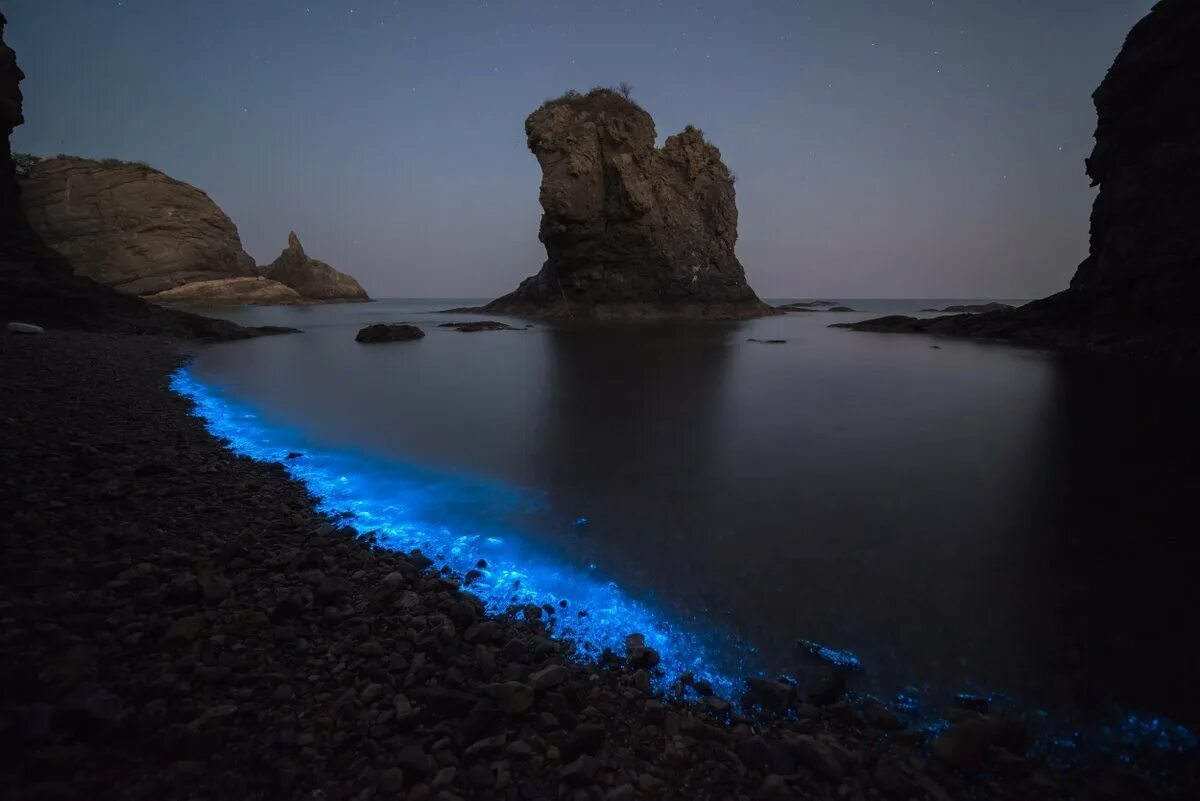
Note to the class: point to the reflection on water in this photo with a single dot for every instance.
(964, 517)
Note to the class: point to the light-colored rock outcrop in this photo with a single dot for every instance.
(255, 291)
(311, 278)
(130, 226)
(630, 230)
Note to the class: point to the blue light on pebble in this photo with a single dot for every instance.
(399, 506)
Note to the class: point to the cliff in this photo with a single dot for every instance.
(310, 278)
(130, 226)
(38, 285)
(630, 230)
(1138, 291)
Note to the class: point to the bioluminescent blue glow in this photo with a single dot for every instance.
(402, 506)
(842, 659)
(408, 508)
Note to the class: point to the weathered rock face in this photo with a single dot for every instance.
(1138, 291)
(11, 115)
(255, 291)
(1145, 238)
(630, 230)
(312, 279)
(131, 227)
(37, 285)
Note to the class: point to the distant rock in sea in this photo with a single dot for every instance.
(1138, 291)
(310, 278)
(805, 306)
(389, 332)
(482, 325)
(631, 230)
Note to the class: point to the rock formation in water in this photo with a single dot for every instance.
(38, 285)
(630, 230)
(310, 278)
(131, 227)
(1138, 291)
(389, 332)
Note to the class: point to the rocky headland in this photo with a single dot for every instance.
(131, 227)
(40, 286)
(630, 230)
(1138, 291)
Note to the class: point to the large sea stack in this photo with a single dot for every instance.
(630, 230)
(38, 285)
(1138, 291)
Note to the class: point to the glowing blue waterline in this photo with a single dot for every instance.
(402, 507)
(388, 499)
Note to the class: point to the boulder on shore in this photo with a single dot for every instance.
(389, 332)
(631, 230)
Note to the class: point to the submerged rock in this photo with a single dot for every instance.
(630, 230)
(389, 332)
(311, 278)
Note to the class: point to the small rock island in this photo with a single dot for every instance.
(631, 230)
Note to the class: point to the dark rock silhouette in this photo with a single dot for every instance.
(38, 285)
(310, 278)
(630, 230)
(389, 332)
(1138, 291)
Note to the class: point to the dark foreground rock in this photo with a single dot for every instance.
(631, 230)
(178, 622)
(1138, 291)
(389, 332)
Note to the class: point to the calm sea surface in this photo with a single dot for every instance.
(962, 516)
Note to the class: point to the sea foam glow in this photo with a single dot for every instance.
(401, 505)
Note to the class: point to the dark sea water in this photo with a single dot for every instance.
(962, 516)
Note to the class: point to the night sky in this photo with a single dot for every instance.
(883, 148)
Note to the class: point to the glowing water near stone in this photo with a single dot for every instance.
(406, 508)
(398, 503)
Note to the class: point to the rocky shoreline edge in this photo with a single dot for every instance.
(179, 622)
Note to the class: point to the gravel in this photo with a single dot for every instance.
(179, 622)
